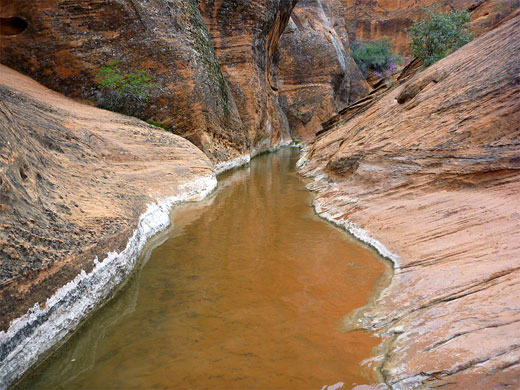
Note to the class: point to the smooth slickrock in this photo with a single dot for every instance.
(378, 19)
(74, 180)
(432, 171)
(317, 77)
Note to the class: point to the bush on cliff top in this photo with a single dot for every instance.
(375, 56)
(438, 34)
(123, 91)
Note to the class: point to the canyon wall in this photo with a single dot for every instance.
(378, 19)
(219, 78)
(246, 35)
(65, 43)
(430, 175)
(285, 81)
(316, 75)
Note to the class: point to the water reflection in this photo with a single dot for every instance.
(248, 290)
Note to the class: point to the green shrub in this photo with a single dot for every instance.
(375, 56)
(157, 125)
(438, 34)
(123, 91)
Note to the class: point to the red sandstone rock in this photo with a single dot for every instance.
(432, 170)
(74, 180)
(66, 42)
(487, 14)
(246, 35)
(371, 20)
(317, 77)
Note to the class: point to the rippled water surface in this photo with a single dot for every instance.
(248, 290)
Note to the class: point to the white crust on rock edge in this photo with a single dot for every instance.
(230, 164)
(36, 332)
(320, 180)
(245, 159)
(331, 215)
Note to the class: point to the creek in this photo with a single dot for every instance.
(247, 289)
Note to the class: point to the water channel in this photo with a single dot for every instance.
(248, 289)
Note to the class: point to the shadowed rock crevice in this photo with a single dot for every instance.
(246, 35)
(12, 26)
(317, 76)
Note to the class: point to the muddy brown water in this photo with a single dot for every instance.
(248, 289)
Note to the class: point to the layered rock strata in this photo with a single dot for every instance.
(317, 77)
(65, 43)
(388, 19)
(430, 175)
(246, 35)
(78, 193)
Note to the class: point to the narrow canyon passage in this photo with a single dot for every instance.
(248, 290)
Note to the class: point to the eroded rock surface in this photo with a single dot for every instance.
(74, 180)
(65, 44)
(317, 77)
(378, 19)
(246, 35)
(432, 170)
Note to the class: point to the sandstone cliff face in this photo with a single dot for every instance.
(73, 181)
(432, 170)
(246, 35)
(377, 19)
(316, 74)
(488, 13)
(66, 42)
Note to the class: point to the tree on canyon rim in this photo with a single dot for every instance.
(438, 34)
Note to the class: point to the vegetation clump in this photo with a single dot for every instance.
(157, 125)
(439, 34)
(123, 91)
(376, 57)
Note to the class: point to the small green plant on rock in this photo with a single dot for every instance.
(439, 34)
(157, 125)
(123, 91)
(376, 57)
(339, 124)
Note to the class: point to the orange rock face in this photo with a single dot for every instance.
(74, 180)
(489, 13)
(63, 44)
(378, 19)
(432, 171)
(246, 35)
(317, 77)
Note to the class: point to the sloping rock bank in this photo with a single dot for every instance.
(81, 190)
(432, 171)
